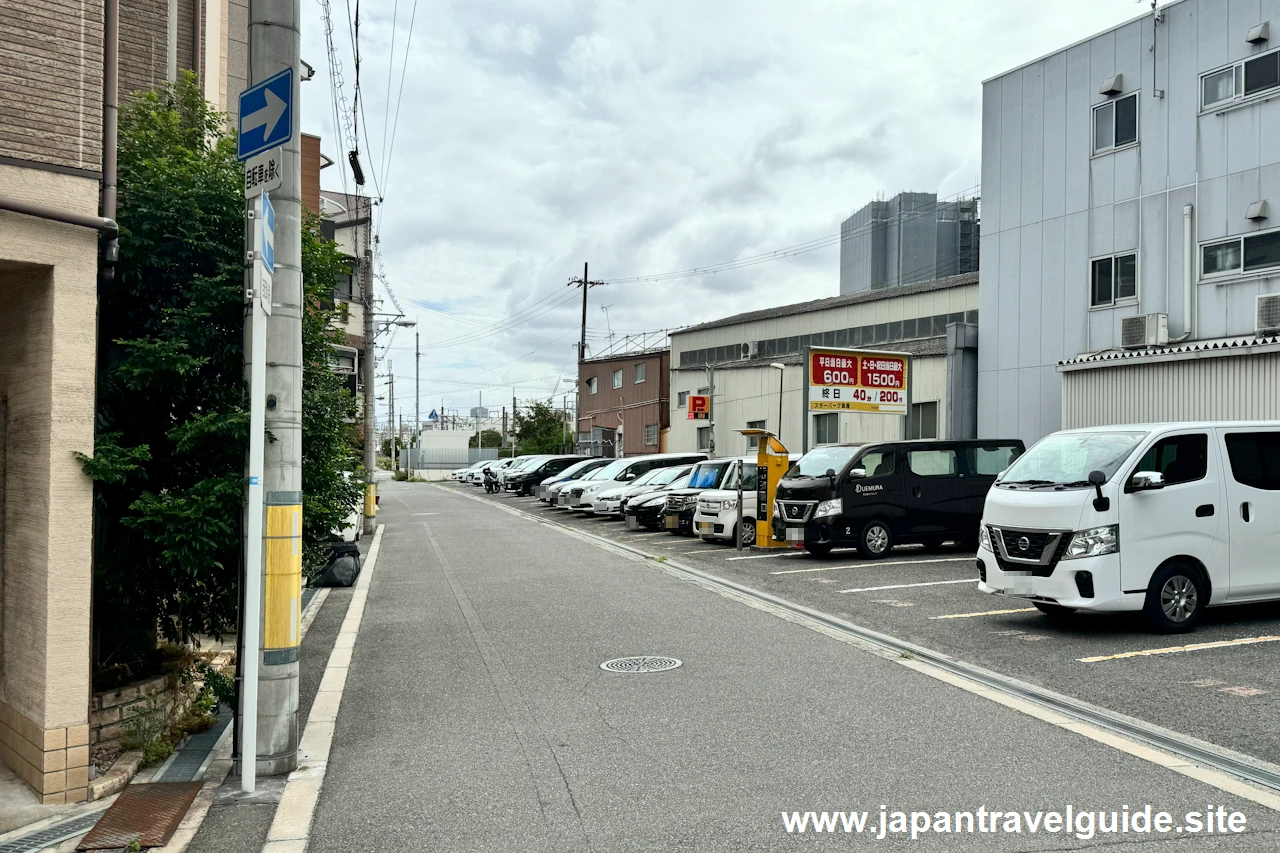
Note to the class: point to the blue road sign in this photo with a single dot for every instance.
(433, 416)
(266, 115)
(268, 235)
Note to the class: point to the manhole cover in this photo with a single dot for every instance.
(643, 663)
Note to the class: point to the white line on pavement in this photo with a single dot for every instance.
(1193, 647)
(771, 556)
(984, 613)
(867, 564)
(908, 585)
(291, 827)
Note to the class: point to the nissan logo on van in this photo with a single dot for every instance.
(1024, 543)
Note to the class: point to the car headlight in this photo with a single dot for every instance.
(984, 537)
(731, 503)
(1094, 542)
(827, 509)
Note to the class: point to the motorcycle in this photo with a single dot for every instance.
(490, 481)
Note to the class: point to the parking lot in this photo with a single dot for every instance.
(1219, 683)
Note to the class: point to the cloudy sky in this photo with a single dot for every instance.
(646, 137)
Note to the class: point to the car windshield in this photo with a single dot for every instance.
(577, 469)
(817, 462)
(614, 469)
(650, 476)
(707, 475)
(663, 476)
(681, 482)
(1069, 458)
(527, 463)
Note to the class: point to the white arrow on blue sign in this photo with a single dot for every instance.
(266, 115)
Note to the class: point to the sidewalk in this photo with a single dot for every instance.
(476, 715)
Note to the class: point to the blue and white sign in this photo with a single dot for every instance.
(268, 225)
(264, 251)
(433, 416)
(266, 115)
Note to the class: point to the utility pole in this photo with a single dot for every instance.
(417, 411)
(274, 48)
(513, 420)
(370, 393)
(391, 416)
(585, 282)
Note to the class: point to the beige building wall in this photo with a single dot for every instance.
(48, 275)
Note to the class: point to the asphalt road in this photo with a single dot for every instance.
(477, 717)
(1227, 695)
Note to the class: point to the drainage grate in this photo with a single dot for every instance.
(49, 836)
(148, 814)
(642, 663)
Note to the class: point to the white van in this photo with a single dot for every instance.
(717, 513)
(1163, 518)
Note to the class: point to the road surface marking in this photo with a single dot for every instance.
(291, 827)
(426, 513)
(984, 613)
(892, 602)
(1242, 691)
(866, 564)
(771, 556)
(1192, 647)
(907, 585)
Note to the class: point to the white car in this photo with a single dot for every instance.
(1167, 519)
(717, 514)
(624, 472)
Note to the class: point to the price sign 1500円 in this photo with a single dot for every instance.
(858, 381)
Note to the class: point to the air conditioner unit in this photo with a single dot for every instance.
(751, 350)
(1144, 330)
(1267, 316)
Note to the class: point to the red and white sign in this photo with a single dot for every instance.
(856, 381)
(699, 407)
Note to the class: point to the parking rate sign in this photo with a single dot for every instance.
(857, 381)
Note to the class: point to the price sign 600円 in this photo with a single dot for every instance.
(858, 381)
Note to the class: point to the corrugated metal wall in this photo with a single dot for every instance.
(1244, 387)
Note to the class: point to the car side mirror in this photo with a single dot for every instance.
(629, 477)
(1100, 503)
(1145, 481)
(856, 472)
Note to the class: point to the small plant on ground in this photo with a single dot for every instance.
(147, 731)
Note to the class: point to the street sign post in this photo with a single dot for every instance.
(266, 115)
(264, 172)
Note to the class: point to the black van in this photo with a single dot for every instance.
(526, 480)
(875, 496)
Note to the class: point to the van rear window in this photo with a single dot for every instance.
(1255, 459)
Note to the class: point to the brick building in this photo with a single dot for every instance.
(624, 403)
(51, 163)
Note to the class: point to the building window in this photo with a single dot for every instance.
(639, 373)
(650, 435)
(617, 379)
(923, 421)
(343, 286)
(1113, 279)
(1115, 124)
(592, 385)
(1241, 254)
(826, 428)
(1241, 80)
(704, 438)
(681, 399)
(753, 441)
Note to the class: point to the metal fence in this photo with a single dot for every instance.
(443, 458)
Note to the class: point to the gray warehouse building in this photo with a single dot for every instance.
(910, 238)
(1130, 264)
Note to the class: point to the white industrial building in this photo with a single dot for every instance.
(934, 321)
(1130, 258)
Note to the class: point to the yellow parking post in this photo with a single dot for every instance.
(772, 462)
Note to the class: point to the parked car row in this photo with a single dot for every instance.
(1166, 519)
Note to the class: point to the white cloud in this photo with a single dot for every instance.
(647, 137)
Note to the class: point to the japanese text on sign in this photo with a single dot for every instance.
(846, 380)
(699, 407)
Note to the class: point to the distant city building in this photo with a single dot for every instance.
(910, 238)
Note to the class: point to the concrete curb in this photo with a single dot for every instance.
(115, 779)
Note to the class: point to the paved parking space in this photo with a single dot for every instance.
(1220, 683)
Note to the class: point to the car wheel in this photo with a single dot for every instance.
(748, 533)
(819, 549)
(1056, 610)
(876, 540)
(1176, 599)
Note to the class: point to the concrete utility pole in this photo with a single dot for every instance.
(584, 282)
(391, 417)
(274, 44)
(370, 392)
(417, 412)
